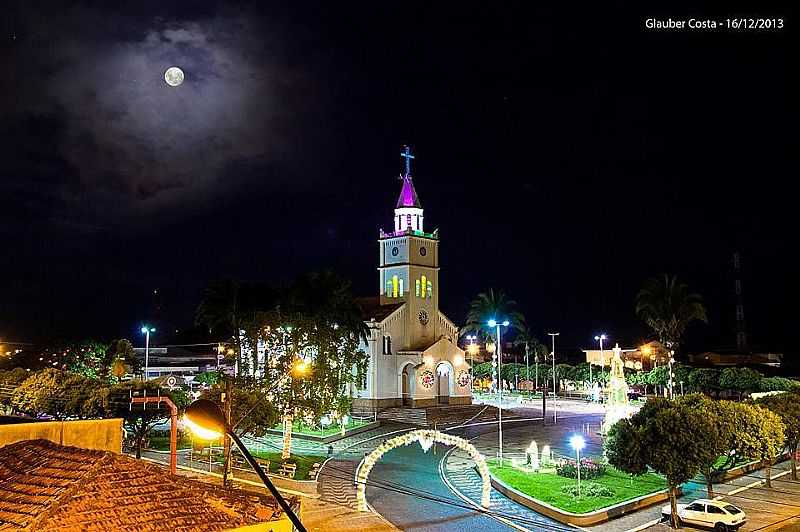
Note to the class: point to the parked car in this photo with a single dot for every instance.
(720, 515)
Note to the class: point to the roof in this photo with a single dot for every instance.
(48, 487)
(371, 308)
(408, 196)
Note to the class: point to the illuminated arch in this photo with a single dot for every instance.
(426, 438)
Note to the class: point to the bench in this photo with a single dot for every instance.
(287, 470)
(314, 471)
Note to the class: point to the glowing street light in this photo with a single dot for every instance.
(602, 357)
(146, 330)
(578, 443)
(206, 420)
(496, 325)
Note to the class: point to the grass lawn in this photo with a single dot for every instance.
(546, 487)
(739, 461)
(161, 443)
(299, 427)
(304, 462)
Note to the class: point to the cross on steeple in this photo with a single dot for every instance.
(407, 154)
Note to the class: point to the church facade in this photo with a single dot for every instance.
(413, 356)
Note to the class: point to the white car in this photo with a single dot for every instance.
(720, 515)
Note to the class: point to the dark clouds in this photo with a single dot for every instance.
(138, 146)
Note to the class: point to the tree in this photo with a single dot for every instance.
(124, 359)
(492, 304)
(718, 440)
(208, 377)
(667, 307)
(665, 436)
(252, 412)
(778, 384)
(759, 435)
(740, 380)
(705, 380)
(787, 407)
(482, 370)
(90, 358)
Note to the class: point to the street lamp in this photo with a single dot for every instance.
(577, 442)
(146, 330)
(496, 325)
(205, 419)
(472, 349)
(555, 395)
(602, 354)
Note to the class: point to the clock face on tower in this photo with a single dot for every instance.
(395, 251)
(423, 251)
(423, 317)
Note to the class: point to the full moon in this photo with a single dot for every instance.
(173, 76)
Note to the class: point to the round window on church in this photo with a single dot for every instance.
(423, 317)
(423, 251)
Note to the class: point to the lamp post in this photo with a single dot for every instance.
(205, 419)
(600, 338)
(527, 370)
(577, 442)
(471, 349)
(555, 395)
(146, 330)
(496, 325)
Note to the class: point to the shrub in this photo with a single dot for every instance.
(590, 489)
(777, 384)
(589, 469)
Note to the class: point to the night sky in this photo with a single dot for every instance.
(566, 154)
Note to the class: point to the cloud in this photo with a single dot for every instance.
(137, 145)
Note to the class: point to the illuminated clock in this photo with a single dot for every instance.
(395, 251)
(423, 251)
(423, 317)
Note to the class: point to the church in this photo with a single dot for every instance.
(414, 359)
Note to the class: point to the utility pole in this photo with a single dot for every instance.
(227, 401)
(555, 390)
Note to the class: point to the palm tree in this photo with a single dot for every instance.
(492, 304)
(666, 306)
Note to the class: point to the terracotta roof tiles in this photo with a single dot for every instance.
(48, 487)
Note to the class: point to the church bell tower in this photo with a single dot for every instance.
(409, 265)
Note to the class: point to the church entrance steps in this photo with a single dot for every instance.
(443, 415)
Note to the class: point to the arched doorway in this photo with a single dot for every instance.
(444, 382)
(426, 438)
(406, 377)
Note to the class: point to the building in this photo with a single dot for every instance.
(47, 487)
(179, 361)
(645, 357)
(413, 357)
(723, 358)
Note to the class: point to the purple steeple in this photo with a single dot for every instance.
(408, 196)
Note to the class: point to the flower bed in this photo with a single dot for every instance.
(547, 487)
(589, 469)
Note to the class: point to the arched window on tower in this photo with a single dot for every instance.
(416, 287)
(387, 345)
(395, 285)
(430, 289)
(423, 283)
(401, 288)
(408, 221)
(388, 288)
